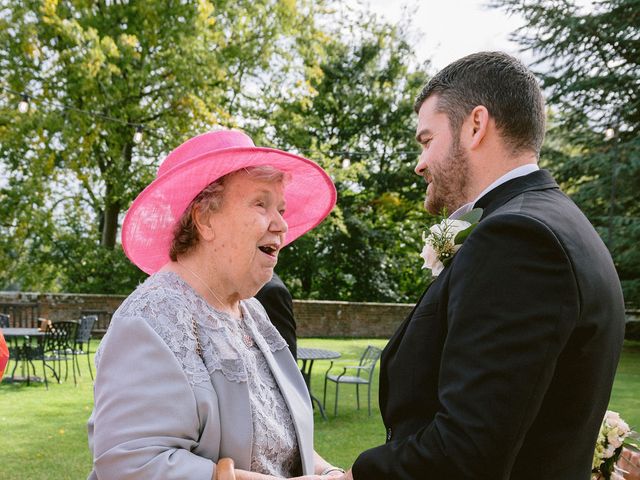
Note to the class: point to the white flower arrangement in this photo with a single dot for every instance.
(444, 239)
(611, 438)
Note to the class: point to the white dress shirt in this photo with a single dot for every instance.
(520, 171)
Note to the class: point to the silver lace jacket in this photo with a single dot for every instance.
(162, 411)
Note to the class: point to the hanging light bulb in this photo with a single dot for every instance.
(609, 133)
(137, 137)
(23, 106)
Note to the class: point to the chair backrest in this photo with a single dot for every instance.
(4, 320)
(84, 329)
(369, 359)
(60, 336)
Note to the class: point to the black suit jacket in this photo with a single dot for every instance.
(504, 368)
(277, 301)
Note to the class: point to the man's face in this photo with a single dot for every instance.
(443, 163)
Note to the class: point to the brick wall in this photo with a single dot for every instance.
(315, 318)
(57, 306)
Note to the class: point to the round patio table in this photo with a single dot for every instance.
(307, 356)
(12, 336)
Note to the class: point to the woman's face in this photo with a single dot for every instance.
(248, 233)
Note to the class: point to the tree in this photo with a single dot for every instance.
(171, 68)
(588, 60)
(357, 120)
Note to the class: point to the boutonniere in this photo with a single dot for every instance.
(444, 239)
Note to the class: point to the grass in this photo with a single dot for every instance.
(43, 433)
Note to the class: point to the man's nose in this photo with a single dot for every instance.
(421, 166)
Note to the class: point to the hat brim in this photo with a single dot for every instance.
(147, 231)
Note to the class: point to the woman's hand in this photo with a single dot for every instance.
(629, 461)
(335, 475)
(311, 477)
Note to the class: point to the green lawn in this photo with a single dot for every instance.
(43, 433)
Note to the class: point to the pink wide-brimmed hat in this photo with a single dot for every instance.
(148, 227)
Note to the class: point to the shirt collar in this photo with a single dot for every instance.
(520, 171)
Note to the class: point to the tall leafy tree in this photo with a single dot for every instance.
(357, 120)
(171, 68)
(589, 62)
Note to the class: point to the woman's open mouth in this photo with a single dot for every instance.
(270, 249)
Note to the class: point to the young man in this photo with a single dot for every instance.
(505, 366)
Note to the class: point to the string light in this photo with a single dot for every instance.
(137, 137)
(609, 133)
(23, 106)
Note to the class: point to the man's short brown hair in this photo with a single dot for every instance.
(503, 85)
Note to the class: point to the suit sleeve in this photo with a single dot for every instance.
(277, 301)
(513, 301)
(145, 420)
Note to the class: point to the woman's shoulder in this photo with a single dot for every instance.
(164, 304)
(159, 299)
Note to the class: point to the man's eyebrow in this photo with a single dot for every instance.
(424, 131)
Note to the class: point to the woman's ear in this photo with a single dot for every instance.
(479, 123)
(204, 223)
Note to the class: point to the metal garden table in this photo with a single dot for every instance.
(307, 356)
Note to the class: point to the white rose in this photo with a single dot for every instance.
(608, 453)
(612, 418)
(431, 261)
(623, 428)
(449, 227)
(614, 439)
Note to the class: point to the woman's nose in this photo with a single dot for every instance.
(279, 224)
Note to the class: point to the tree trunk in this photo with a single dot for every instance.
(110, 223)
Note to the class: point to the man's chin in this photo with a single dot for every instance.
(430, 207)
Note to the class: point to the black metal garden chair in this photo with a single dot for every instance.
(363, 375)
(55, 347)
(83, 341)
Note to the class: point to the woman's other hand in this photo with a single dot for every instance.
(629, 461)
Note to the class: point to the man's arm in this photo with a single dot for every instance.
(277, 301)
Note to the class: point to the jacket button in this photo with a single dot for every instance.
(389, 434)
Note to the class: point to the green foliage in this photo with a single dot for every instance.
(341, 95)
(589, 61)
(358, 122)
(176, 68)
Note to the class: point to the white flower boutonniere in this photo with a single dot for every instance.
(444, 239)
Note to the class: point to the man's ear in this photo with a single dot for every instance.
(204, 223)
(478, 126)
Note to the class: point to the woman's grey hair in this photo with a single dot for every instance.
(209, 200)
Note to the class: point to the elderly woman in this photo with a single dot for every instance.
(191, 370)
